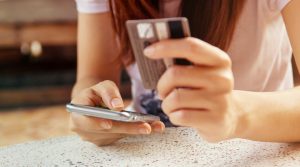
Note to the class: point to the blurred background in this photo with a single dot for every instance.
(38, 68)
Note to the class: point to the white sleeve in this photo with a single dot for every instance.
(92, 6)
(278, 5)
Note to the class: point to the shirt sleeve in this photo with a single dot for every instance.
(92, 6)
(278, 5)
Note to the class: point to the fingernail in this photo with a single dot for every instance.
(144, 131)
(149, 51)
(105, 125)
(117, 103)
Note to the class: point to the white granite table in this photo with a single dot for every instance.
(176, 147)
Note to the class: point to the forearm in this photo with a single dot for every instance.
(269, 116)
(98, 55)
(273, 116)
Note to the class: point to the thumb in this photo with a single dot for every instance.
(110, 94)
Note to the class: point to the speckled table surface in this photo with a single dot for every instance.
(176, 147)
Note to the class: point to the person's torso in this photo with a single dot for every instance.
(260, 52)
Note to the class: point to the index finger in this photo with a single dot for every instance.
(192, 49)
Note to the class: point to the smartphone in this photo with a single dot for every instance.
(124, 116)
(143, 33)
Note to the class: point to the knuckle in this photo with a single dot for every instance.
(110, 88)
(164, 106)
(226, 60)
(180, 118)
(172, 101)
(226, 86)
(174, 121)
(107, 83)
(102, 86)
(167, 79)
(107, 90)
(88, 93)
(160, 86)
(174, 73)
(84, 96)
(175, 96)
(193, 44)
(225, 83)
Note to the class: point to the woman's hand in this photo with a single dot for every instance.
(199, 95)
(102, 131)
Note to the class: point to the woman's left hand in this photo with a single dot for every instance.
(199, 95)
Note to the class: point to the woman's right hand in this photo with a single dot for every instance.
(103, 131)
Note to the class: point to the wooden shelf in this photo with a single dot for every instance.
(20, 12)
(51, 22)
(46, 34)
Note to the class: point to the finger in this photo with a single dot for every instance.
(207, 122)
(86, 123)
(157, 126)
(210, 79)
(109, 92)
(95, 125)
(192, 49)
(191, 118)
(135, 127)
(129, 128)
(188, 99)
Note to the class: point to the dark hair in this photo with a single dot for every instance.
(213, 21)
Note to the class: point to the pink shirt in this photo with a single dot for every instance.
(260, 49)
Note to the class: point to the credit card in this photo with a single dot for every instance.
(143, 33)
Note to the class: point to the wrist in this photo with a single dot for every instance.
(242, 110)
